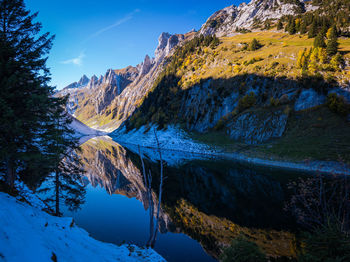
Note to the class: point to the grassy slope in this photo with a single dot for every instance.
(227, 59)
(316, 134)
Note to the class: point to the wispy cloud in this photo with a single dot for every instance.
(75, 61)
(116, 24)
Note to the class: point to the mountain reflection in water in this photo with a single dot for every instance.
(204, 202)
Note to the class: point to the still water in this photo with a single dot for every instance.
(206, 203)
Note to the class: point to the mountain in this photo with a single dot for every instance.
(249, 16)
(84, 80)
(237, 80)
(106, 102)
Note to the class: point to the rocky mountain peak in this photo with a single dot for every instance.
(162, 43)
(146, 65)
(226, 21)
(84, 80)
(93, 82)
(166, 42)
(110, 77)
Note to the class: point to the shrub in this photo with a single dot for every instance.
(252, 61)
(242, 250)
(337, 104)
(284, 99)
(327, 243)
(336, 61)
(254, 45)
(247, 101)
(274, 102)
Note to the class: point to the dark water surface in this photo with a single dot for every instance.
(205, 204)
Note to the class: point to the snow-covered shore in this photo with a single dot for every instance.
(175, 139)
(29, 234)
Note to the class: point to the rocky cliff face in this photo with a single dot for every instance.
(106, 102)
(84, 80)
(246, 16)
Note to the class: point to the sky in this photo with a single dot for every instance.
(94, 36)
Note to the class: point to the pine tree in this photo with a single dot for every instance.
(332, 42)
(300, 59)
(292, 27)
(303, 28)
(332, 32)
(279, 25)
(313, 30)
(26, 100)
(322, 56)
(313, 63)
(64, 182)
(336, 61)
(254, 45)
(319, 41)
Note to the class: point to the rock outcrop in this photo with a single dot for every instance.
(246, 16)
(106, 102)
(255, 128)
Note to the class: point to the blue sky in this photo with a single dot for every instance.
(93, 36)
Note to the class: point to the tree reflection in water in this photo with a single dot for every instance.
(211, 201)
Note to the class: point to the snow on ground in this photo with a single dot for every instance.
(175, 139)
(172, 138)
(29, 234)
(83, 130)
(171, 157)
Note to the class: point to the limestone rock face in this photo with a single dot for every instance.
(146, 65)
(166, 43)
(93, 83)
(115, 95)
(309, 98)
(255, 128)
(84, 80)
(225, 21)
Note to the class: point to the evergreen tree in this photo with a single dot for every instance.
(27, 104)
(279, 25)
(322, 55)
(254, 45)
(292, 27)
(303, 28)
(336, 61)
(313, 29)
(64, 182)
(313, 63)
(300, 59)
(319, 41)
(332, 42)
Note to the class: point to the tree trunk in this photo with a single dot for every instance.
(57, 184)
(10, 174)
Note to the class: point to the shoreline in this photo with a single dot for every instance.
(323, 167)
(175, 140)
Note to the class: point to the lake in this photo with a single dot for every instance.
(206, 202)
